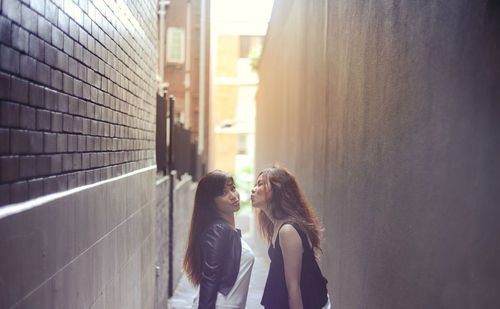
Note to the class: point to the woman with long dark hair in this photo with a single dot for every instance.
(216, 259)
(288, 222)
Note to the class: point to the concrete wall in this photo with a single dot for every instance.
(387, 112)
(92, 247)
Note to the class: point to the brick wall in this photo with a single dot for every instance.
(77, 107)
(77, 91)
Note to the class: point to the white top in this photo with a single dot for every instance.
(237, 297)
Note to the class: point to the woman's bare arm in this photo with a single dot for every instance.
(291, 247)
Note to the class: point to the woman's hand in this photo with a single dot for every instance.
(291, 247)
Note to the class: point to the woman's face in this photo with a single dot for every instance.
(260, 193)
(229, 201)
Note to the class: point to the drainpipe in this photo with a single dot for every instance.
(161, 13)
(201, 101)
(187, 77)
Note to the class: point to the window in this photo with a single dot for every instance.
(175, 45)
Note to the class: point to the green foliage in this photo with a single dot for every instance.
(244, 183)
(254, 57)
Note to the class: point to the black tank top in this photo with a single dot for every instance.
(275, 292)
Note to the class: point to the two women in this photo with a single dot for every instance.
(220, 263)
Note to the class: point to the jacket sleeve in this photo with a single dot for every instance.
(213, 247)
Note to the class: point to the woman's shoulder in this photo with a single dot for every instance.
(218, 228)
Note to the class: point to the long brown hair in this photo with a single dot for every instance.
(204, 213)
(288, 201)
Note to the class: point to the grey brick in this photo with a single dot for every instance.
(96, 142)
(86, 91)
(73, 30)
(55, 163)
(51, 12)
(93, 127)
(43, 165)
(82, 107)
(57, 38)
(62, 142)
(56, 122)
(5, 138)
(10, 59)
(82, 143)
(77, 161)
(19, 192)
(43, 122)
(27, 117)
(49, 142)
(28, 67)
(35, 188)
(78, 124)
(72, 142)
(50, 55)
(68, 84)
(78, 88)
(4, 194)
(90, 110)
(62, 61)
(29, 19)
(19, 90)
(82, 72)
(44, 29)
(50, 99)
(63, 21)
(27, 166)
(63, 102)
(68, 45)
(5, 30)
(38, 6)
(43, 73)
(4, 86)
(87, 23)
(10, 169)
(12, 9)
(9, 114)
(86, 126)
(67, 123)
(73, 105)
(78, 51)
(73, 67)
(67, 162)
(37, 48)
(85, 160)
(56, 79)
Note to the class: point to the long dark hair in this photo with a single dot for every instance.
(288, 201)
(204, 213)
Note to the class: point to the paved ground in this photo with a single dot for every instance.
(185, 292)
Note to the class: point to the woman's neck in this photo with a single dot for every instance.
(229, 218)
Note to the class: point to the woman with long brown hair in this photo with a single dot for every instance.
(216, 259)
(289, 224)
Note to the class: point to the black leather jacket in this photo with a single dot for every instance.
(221, 254)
